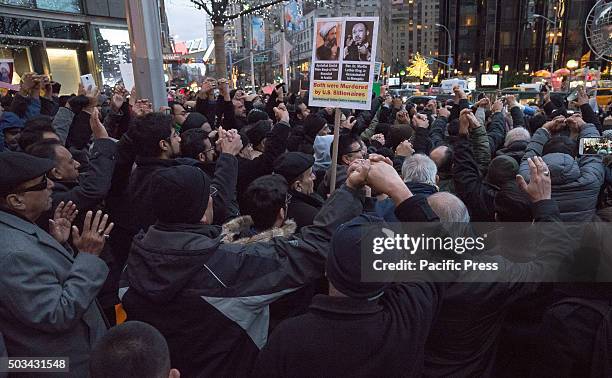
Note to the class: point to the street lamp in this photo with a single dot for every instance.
(450, 46)
(552, 56)
(572, 64)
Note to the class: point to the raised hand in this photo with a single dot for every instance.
(380, 138)
(497, 106)
(357, 174)
(443, 112)
(119, 96)
(539, 187)
(404, 149)
(483, 102)
(383, 178)
(95, 233)
(281, 113)
(97, 128)
(59, 226)
(582, 98)
(555, 125)
(420, 120)
(229, 141)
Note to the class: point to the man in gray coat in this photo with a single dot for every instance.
(575, 182)
(47, 294)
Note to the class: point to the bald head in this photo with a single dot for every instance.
(443, 157)
(448, 207)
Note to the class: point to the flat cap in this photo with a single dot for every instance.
(291, 165)
(18, 167)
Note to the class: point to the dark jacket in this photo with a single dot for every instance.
(208, 108)
(211, 299)
(575, 183)
(325, 185)
(477, 195)
(575, 334)
(303, 208)
(346, 337)
(515, 150)
(142, 207)
(463, 340)
(275, 145)
(496, 131)
(80, 131)
(92, 186)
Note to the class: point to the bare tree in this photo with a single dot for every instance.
(221, 13)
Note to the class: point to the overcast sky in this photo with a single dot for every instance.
(184, 20)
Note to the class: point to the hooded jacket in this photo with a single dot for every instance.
(211, 299)
(575, 183)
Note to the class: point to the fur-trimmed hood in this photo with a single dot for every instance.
(234, 230)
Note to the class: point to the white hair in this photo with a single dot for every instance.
(516, 134)
(419, 168)
(448, 207)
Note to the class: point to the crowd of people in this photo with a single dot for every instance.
(211, 237)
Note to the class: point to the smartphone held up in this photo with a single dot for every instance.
(601, 146)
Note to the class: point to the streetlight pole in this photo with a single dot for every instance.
(252, 59)
(450, 48)
(552, 56)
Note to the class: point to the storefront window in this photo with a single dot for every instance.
(19, 26)
(114, 54)
(19, 3)
(70, 6)
(64, 67)
(62, 30)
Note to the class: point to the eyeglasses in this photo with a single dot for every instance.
(36, 188)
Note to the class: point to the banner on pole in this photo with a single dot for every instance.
(293, 15)
(343, 56)
(258, 33)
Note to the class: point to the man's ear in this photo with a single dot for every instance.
(14, 202)
(345, 160)
(202, 157)
(163, 145)
(297, 186)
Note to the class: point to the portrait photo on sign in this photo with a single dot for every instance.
(358, 41)
(6, 70)
(328, 40)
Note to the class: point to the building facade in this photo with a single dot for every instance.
(65, 38)
(511, 33)
(413, 30)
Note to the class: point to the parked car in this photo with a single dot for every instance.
(420, 100)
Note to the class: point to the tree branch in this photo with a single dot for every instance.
(254, 9)
(202, 5)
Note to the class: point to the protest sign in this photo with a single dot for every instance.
(344, 53)
(127, 74)
(6, 70)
